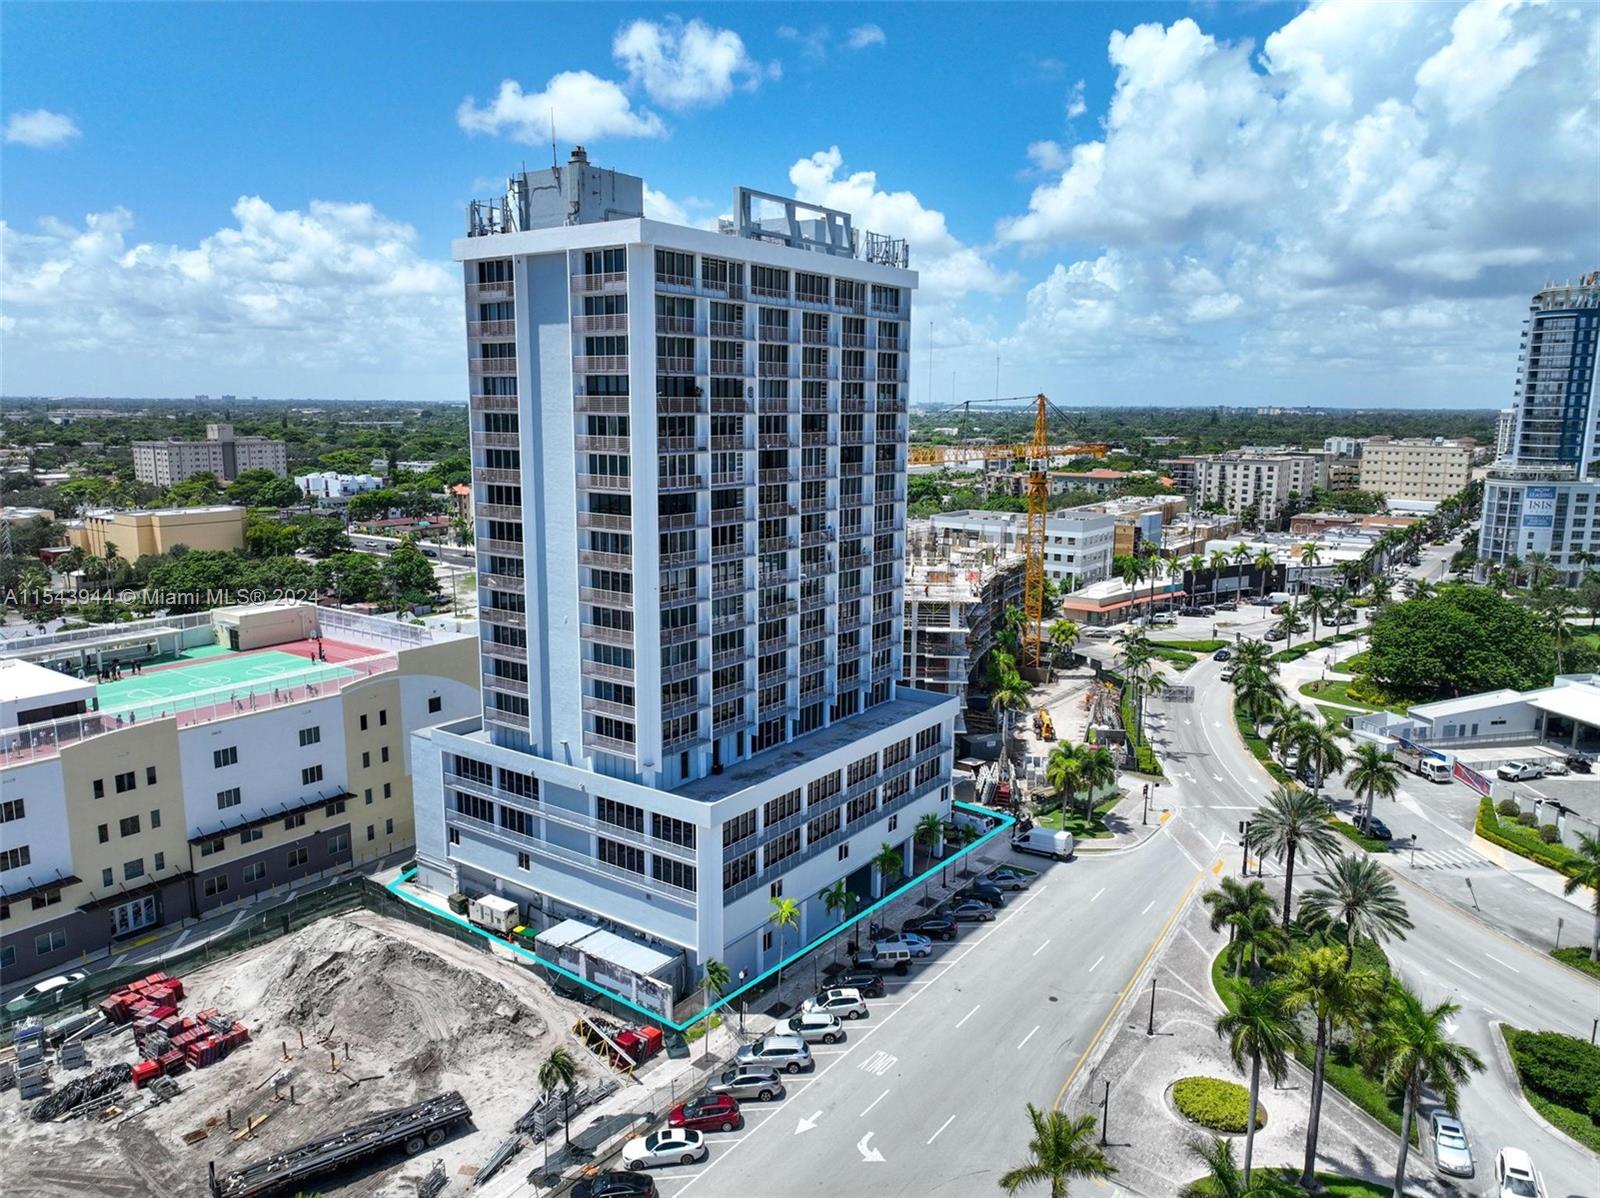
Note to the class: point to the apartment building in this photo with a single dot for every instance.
(1505, 432)
(162, 463)
(1543, 495)
(957, 591)
(140, 531)
(1079, 542)
(1250, 481)
(237, 762)
(714, 423)
(1416, 469)
(331, 487)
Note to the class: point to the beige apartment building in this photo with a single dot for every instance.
(142, 531)
(163, 463)
(1428, 469)
(1250, 480)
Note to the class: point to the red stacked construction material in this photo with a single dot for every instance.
(143, 1071)
(172, 1041)
(171, 1062)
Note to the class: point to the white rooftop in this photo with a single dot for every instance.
(24, 683)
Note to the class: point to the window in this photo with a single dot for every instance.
(766, 942)
(783, 847)
(366, 760)
(673, 873)
(126, 782)
(108, 879)
(334, 808)
(388, 789)
(222, 757)
(133, 869)
(383, 753)
(15, 858)
(250, 835)
(366, 796)
(363, 722)
(103, 833)
(228, 798)
(737, 870)
(311, 773)
(128, 826)
(388, 827)
(435, 704)
(310, 736)
(296, 858)
(99, 788)
(255, 871)
(623, 856)
(622, 815)
(372, 832)
(338, 844)
(48, 899)
(160, 863)
(297, 820)
(8, 956)
(155, 818)
(677, 831)
(781, 808)
(149, 775)
(524, 861)
(214, 845)
(215, 886)
(454, 835)
(844, 850)
(49, 942)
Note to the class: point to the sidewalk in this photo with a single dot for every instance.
(1129, 823)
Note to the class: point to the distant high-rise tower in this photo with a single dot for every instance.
(1543, 495)
(689, 472)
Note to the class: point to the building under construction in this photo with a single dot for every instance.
(958, 587)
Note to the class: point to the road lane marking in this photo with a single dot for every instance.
(1465, 970)
(1028, 1037)
(807, 1124)
(942, 1126)
(1147, 907)
(875, 1102)
(1040, 949)
(1098, 893)
(969, 1014)
(1092, 968)
(1498, 961)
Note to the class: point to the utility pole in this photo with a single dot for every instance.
(1145, 819)
(1105, 1113)
(1244, 848)
(1150, 1030)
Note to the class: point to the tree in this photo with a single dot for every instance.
(1318, 747)
(558, 1072)
(1357, 893)
(1413, 1041)
(1461, 640)
(1264, 562)
(1259, 1029)
(1231, 899)
(930, 832)
(409, 574)
(1287, 729)
(713, 981)
(1293, 825)
(887, 863)
(785, 914)
(1315, 981)
(1062, 1149)
(323, 537)
(1585, 871)
(1256, 937)
(1372, 775)
(260, 487)
(1063, 769)
(1097, 769)
(1224, 1180)
(352, 578)
(1063, 635)
(838, 899)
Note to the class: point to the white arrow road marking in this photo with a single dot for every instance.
(869, 1153)
(875, 1102)
(807, 1124)
(942, 1126)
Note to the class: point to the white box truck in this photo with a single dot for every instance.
(498, 915)
(1435, 767)
(1045, 842)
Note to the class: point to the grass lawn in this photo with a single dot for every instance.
(1333, 715)
(1178, 657)
(1578, 957)
(1201, 646)
(1331, 1185)
(1093, 830)
(1337, 690)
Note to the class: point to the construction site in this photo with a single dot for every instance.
(373, 1055)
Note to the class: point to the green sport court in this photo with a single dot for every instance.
(216, 677)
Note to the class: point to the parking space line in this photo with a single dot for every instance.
(1028, 1037)
(969, 1014)
(942, 1126)
(1096, 965)
(875, 1102)
(1098, 893)
(1040, 949)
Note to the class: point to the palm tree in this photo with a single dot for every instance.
(1260, 1028)
(1063, 635)
(785, 914)
(1256, 938)
(1373, 775)
(1287, 729)
(1293, 825)
(1063, 769)
(1231, 899)
(1316, 606)
(1357, 892)
(1257, 694)
(714, 981)
(1585, 871)
(1097, 769)
(1264, 561)
(1319, 748)
(838, 899)
(1316, 981)
(887, 863)
(1062, 1148)
(1253, 654)
(1240, 553)
(1310, 555)
(1223, 1179)
(558, 1072)
(1413, 1041)
(930, 832)
(1557, 610)
(1287, 621)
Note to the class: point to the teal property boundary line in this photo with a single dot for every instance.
(1006, 822)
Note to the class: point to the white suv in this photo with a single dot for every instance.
(845, 1003)
(786, 1052)
(814, 1026)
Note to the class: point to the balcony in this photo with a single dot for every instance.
(603, 669)
(607, 635)
(818, 407)
(610, 282)
(498, 511)
(598, 706)
(607, 598)
(608, 322)
(682, 633)
(728, 330)
(817, 536)
(620, 483)
(731, 405)
(600, 364)
(781, 293)
(816, 370)
(620, 748)
(679, 521)
(681, 671)
(605, 521)
(501, 548)
(814, 503)
(777, 576)
(679, 707)
(499, 615)
(500, 290)
(674, 282)
(604, 444)
(776, 611)
(675, 324)
(776, 370)
(674, 561)
(723, 587)
(816, 336)
(731, 620)
(730, 478)
(665, 365)
(728, 515)
(491, 328)
(672, 483)
(779, 544)
(493, 403)
(773, 477)
(852, 436)
(776, 511)
(735, 368)
(853, 373)
(502, 582)
(497, 440)
(609, 405)
(492, 365)
(511, 686)
(852, 404)
(818, 569)
(605, 561)
(774, 333)
(730, 657)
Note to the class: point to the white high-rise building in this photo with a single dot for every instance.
(689, 472)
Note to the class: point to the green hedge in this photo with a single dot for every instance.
(1300, 650)
(1560, 1076)
(1354, 834)
(1178, 657)
(1578, 957)
(1201, 646)
(1215, 1103)
(1144, 759)
(1260, 748)
(1511, 835)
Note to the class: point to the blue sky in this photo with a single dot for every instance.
(1120, 203)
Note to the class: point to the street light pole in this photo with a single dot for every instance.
(1105, 1113)
(1244, 848)
(1145, 819)
(1151, 1029)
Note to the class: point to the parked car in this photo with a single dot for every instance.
(43, 990)
(1451, 1152)
(672, 1146)
(750, 1083)
(1164, 617)
(817, 1027)
(1375, 827)
(1520, 771)
(1579, 764)
(919, 944)
(1228, 605)
(1222, 655)
(1009, 879)
(1277, 634)
(940, 927)
(883, 957)
(778, 1051)
(613, 1184)
(1515, 1176)
(843, 1003)
(973, 910)
(984, 892)
(868, 981)
(709, 1112)
(1228, 671)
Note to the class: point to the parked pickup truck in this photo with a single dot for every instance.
(1520, 771)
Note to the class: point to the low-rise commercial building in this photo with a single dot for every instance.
(256, 748)
(1429, 469)
(140, 531)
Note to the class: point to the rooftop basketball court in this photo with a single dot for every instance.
(215, 674)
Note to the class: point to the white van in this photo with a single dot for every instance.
(1045, 842)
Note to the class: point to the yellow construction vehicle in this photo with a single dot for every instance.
(1046, 726)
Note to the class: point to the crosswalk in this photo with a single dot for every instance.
(1448, 859)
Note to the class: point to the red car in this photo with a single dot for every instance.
(710, 1112)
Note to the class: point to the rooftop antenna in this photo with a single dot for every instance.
(553, 163)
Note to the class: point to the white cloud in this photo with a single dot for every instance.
(813, 42)
(660, 206)
(863, 36)
(685, 65)
(311, 299)
(40, 128)
(584, 106)
(1047, 156)
(1076, 106)
(948, 268)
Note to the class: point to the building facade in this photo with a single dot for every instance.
(1422, 468)
(1079, 542)
(329, 486)
(122, 817)
(689, 464)
(163, 463)
(1543, 496)
(138, 532)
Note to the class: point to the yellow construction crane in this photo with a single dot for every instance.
(1037, 454)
